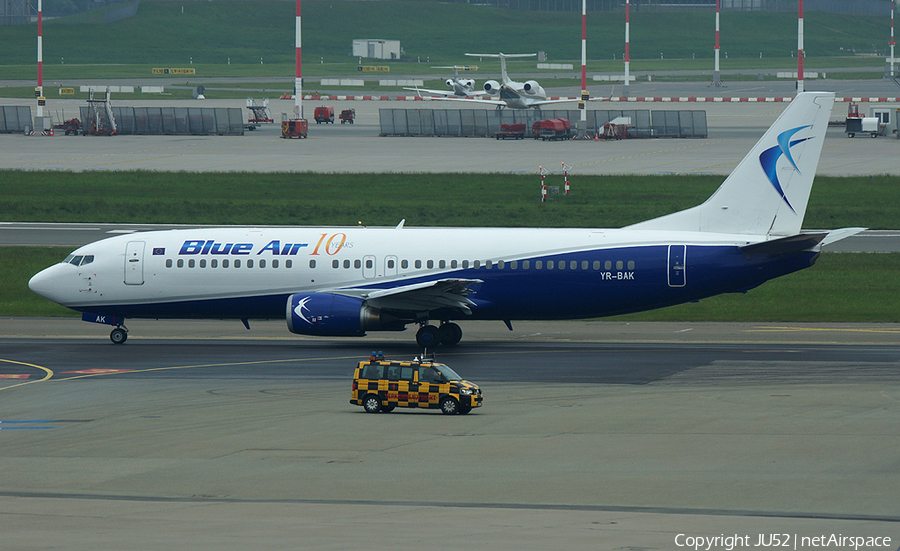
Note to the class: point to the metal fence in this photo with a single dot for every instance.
(486, 122)
(14, 119)
(223, 121)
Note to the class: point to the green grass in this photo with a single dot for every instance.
(848, 287)
(172, 34)
(838, 288)
(509, 200)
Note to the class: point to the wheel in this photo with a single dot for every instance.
(428, 336)
(387, 409)
(118, 335)
(371, 403)
(874, 135)
(450, 334)
(850, 134)
(449, 406)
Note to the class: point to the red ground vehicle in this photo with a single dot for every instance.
(295, 128)
(347, 115)
(324, 114)
(71, 126)
(552, 129)
(515, 131)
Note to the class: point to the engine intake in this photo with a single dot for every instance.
(492, 87)
(532, 87)
(332, 315)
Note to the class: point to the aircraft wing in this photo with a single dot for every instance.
(548, 101)
(420, 297)
(446, 94)
(451, 97)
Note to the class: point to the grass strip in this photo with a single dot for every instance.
(500, 200)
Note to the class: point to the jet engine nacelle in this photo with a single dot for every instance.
(492, 87)
(331, 315)
(532, 87)
(449, 83)
(467, 82)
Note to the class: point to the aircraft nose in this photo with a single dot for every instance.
(42, 283)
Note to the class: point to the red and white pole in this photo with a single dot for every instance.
(543, 186)
(584, 93)
(566, 176)
(298, 73)
(716, 75)
(627, 38)
(40, 60)
(893, 60)
(800, 50)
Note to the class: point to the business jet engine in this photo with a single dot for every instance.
(492, 87)
(533, 88)
(332, 315)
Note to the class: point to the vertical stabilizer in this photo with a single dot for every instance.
(768, 192)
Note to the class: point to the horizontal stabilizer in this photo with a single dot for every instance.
(783, 245)
(836, 235)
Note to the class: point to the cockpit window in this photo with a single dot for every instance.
(79, 260)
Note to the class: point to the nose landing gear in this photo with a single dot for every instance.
(119, 335)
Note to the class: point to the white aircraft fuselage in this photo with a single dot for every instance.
(345, 281)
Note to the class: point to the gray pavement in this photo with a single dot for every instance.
(733, 129)
(218, 440)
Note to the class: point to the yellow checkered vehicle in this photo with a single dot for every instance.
(382, 385)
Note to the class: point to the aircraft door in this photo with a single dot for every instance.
(134, 263)
(390, 265)
(368, 267)
(677, 266)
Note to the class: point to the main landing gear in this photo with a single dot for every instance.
(119, 335)
(447, 333)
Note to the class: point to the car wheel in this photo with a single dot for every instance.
(371, 403)
(449, 406)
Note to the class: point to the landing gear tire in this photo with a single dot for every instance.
(450, 334)
(118, 335)
(372, 404)
(449, 406)
(428, 336)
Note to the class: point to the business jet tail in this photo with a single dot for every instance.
(768, 192)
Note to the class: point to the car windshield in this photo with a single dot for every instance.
(449, 374)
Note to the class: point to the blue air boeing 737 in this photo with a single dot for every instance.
(335, 281)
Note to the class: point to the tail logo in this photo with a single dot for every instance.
(768, 159)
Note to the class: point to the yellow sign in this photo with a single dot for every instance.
(67, 91)
(373, 69)
(173, 71)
